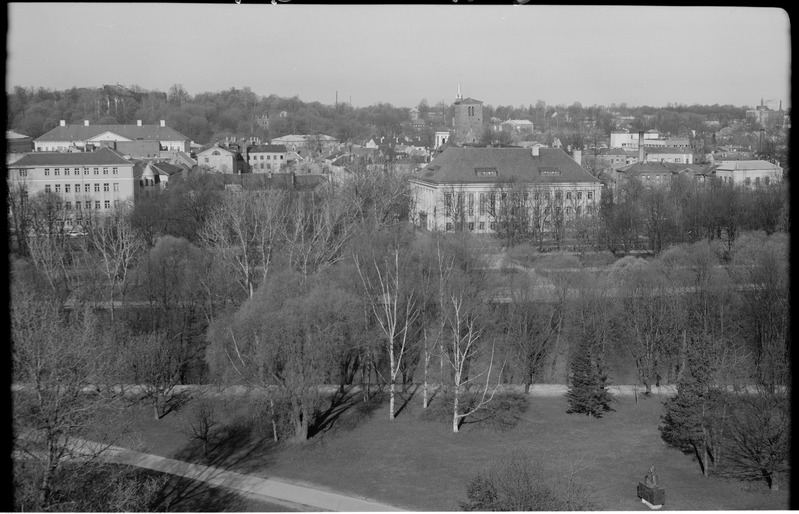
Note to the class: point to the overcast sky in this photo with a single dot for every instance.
(401, 54)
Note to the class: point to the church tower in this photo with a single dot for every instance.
(468, 121)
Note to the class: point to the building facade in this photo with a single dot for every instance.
(218, 159)
(87, 183)
(750, 173)
(266, 158)
(477, 189)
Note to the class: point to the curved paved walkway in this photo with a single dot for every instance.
(268, 489)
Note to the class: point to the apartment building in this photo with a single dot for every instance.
(87, 182)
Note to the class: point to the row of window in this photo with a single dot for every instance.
(488, 200)
(87, 205)
(76, 171)
(481, 225)
(268, 157)
(87, 188)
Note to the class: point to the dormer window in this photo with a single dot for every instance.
(548, 170)
(485, 172)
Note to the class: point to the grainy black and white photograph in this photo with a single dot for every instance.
(288, 257)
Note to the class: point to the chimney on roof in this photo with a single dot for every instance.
(641, 146)
(163, 123)
(577, 155)
(62, 123)
(535, 150)
(138, 123)
(85, 123)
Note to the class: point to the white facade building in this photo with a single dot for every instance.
(465, 188)
(66, 137)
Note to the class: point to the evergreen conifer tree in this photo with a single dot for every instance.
(588, 393)
(690, 420)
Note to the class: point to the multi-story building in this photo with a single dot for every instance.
(474, 188)
(87, 182)
(266, 158)
(69, 137)
(629, 140)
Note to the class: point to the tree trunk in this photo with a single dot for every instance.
(425, 392)
(391, 390)
(274, 422)
(455, 418)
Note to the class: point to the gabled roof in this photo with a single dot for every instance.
(220, 149)
(165, 168)
(103, 156)
(132, 132)
(475, 165)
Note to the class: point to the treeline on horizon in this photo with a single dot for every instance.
(210, 116)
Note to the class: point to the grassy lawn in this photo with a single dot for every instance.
(421, 465)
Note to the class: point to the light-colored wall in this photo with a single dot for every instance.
(266, 162)
(118, 179)
(430, 199)
(224, 162)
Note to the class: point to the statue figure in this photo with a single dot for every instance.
(651, 479)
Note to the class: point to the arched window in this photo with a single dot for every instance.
(215, 152)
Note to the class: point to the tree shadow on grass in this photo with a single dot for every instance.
(347, 410)
(238, 444)
(181, 494)
(406, 399)
(503, 412)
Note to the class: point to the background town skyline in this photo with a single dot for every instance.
(401, 54)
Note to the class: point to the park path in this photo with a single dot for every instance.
(295, 496)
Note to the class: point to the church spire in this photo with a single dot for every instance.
(459, 96)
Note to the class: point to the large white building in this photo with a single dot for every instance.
(467, 188)
(68, 137)
(87, 182)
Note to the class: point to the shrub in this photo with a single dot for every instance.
(520, 483)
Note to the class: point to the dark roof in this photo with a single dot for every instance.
(102, 156)
(613, 151)
(132, 132)
(267, 148)
(167, 168)
(468, 101)
(661, 167)
(462, 165)
(666, 149)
